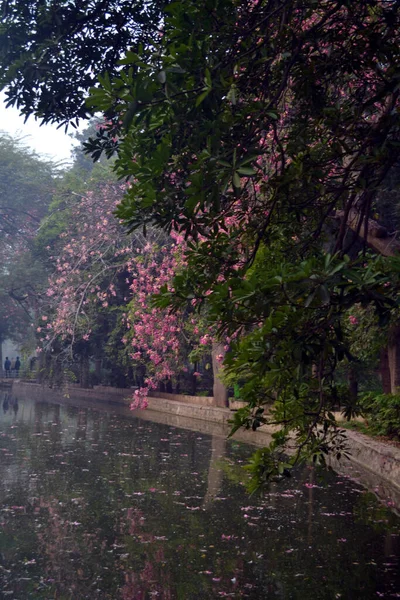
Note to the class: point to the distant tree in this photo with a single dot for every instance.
(12, 321)
(82, 163)
(27, 183)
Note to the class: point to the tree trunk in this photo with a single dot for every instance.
(394, 359)
(57, 372)
(43, 363)
(1, 355)
(97, 368)
(193, 381)
(353, 384)
(219, 390)
(377, 238)
(84, 372)
(385, 371)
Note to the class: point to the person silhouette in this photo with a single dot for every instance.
(7, 366)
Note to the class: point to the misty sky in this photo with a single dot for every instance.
(46, 139)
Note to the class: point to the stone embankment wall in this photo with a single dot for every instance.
(105, 394)
(380, 459)
(197, 400)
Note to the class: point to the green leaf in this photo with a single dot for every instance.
(129, 115)
(246, 171)
(202, 97)
(236, 180)
(207, 78)
(232, 94)
(309, 299)
(324, 294)
(224, 163)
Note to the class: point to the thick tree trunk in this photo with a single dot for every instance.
(219, 390)
(385, 371)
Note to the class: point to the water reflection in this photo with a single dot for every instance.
(97, 505)
(8, 402)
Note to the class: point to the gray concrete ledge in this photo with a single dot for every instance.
(378, 457)
(195, 411)
(197, 400)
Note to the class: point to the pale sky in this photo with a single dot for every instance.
(46, 140)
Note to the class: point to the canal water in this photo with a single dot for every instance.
(96, 505)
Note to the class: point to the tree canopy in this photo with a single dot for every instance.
(51, 52)
(256, 130)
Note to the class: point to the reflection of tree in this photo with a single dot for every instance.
(369, 511)
(310, 507)
(5, 402)
(215, 472)
(129, 504)
(149, 576)
(82, 423)
(61, 549)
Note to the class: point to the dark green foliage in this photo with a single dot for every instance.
(51, 52)
(382, 412)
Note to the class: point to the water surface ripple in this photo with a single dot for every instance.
(95, 505)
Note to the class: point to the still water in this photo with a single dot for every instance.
(95, 505)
